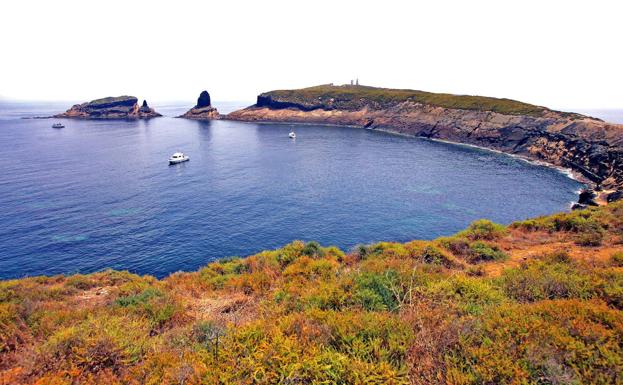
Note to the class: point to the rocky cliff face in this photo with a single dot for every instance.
(589, 146)
(121, 107)
(203, 110)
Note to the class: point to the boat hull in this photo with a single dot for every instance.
(176, 161)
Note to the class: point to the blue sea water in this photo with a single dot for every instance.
(100, 194)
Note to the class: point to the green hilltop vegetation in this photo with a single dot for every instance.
(536, 302)
(112, 99)
(350, 97)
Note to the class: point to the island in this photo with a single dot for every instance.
(120, 107)
(203, 110)
(590, 147)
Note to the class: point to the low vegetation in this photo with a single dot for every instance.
(356, 97)
(529, 303)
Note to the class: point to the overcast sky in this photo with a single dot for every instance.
(561, 54)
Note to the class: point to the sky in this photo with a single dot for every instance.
(560, 54)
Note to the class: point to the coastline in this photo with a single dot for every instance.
(569, 172)
(586, 149)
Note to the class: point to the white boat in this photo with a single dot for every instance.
(292, 135)
(58, 125)
(178, 157)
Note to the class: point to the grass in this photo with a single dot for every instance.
(525, 303)
(112, 99)
(356, 97)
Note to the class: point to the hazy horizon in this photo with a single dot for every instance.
(558, 55)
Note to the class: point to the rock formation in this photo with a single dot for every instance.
(203, 100)
(203, 110)
(588, 146)
(120, 107)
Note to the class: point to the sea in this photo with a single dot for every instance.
(101, 194)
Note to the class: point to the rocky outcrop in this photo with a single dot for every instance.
(203, 110)
(120, 107)
(589, 146)
(203, 100)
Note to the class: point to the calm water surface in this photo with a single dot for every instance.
(100, 194)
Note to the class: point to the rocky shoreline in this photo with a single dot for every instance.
(120, 107)
(588, 146)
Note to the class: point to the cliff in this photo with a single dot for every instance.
(587, 145)
(120, 107)
(537, 302)
(203, 110)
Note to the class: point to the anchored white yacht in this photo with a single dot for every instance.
(58, 125)
(178, 157)
(292, 135)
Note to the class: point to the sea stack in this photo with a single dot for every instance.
(120, 107)
(203, 110)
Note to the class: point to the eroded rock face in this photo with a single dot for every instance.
(589, 146)
(203, 110)
(203, 100)
(121, 107)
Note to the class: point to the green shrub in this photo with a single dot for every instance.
(557, 256)
(483, 229)
(616, 259)
(539, 280)
(457, 245)
(473, 252)
(367, 251)
(476, 271)
(289, 253)
(592, 234)
(204, 332)
(549, 342)
(152, 303)
(95, 344)
(139, 299)
(470, 294)
(310, 268)
(611, 287)
(312, 249)
(373, 291)
(432, 255)
(480, 251)
(80, 282)
(579, 221)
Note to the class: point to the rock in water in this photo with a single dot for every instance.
(203, 110)
(587, 197)
(120, 107)
(145, 108)
(203, 100)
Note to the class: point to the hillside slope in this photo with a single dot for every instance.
(589, 146)
(536, 302)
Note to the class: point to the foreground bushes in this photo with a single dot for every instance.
(423, 312)
(553, 342)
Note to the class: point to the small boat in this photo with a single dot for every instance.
(58, 125)
(178, 157)
(292, 135)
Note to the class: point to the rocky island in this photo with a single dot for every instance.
(120, 107)
(203, 110)
(589, 146)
